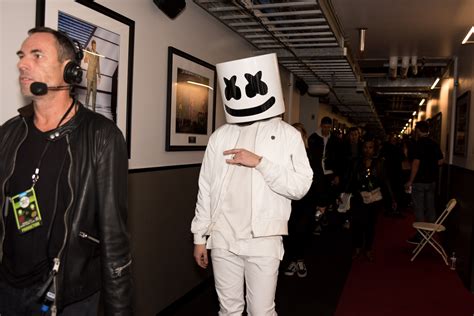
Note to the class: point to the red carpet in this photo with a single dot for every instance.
(393, 285)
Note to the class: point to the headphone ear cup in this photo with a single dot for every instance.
(72, 73)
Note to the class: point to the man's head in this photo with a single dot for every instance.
(354, 135)
(326, 125)
(368, 147)
(422, 129)
(93, 44)
(43, 57)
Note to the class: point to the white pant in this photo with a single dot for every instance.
(260, 275)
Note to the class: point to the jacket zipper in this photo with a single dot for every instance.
(86, 236)
(117, 272)
(57, 260)
(3, 187)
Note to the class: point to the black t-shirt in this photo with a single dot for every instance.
(27, 257)
(428, 152)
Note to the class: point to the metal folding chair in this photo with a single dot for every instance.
(428, 230)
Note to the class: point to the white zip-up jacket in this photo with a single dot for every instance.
(283, 174)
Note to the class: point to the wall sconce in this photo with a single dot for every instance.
(393, 64)
(404, 68)
(362, 34)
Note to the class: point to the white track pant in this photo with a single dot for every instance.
(260, 275)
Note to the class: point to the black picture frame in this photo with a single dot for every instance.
(461, 126)
(191, 102)
(119, 80)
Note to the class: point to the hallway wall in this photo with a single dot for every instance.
(162, 185)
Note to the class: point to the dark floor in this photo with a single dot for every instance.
(328, 263)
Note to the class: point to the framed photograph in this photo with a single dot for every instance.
(461, 127)
(190, 117)
(107, 39)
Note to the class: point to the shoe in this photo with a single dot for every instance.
(317, 230)
(356, 253)
(369, 255)
(301, 269)
(347, 224)
(415, 240)
(291, 269)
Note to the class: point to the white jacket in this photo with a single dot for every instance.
(283, 174)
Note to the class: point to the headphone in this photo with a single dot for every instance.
(72, 70)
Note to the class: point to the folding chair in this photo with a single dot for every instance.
(427, 231)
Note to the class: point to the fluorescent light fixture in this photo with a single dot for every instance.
(200, 84)
(409, 121)
(422, 102)
(466, 39)
(414, 113)
(435, 83)
(362, 32)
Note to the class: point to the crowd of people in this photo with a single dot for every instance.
(357, 176)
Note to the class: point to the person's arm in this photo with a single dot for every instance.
(111, 182)
(415, 165)
(293, 182)
(98, 68)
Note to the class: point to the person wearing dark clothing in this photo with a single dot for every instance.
(393, 157)
(427, 157)
(299, 227)
(63, 176)
(366, 182)
(324, 155)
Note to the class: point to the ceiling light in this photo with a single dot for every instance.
(422, 102)
(466, 39)
(435, 83)
(409, 121)
(414, 113)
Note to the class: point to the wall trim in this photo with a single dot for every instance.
(153, 169)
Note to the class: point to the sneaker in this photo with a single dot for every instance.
(291, 269)
(415, 240)
(301, 269)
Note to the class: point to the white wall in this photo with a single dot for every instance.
(194, 31)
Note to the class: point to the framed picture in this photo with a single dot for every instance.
(107, 39)
(461, 127)
(190, 117)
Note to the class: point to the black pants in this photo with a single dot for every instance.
(364, 218)
(299, 231)
(21, 302)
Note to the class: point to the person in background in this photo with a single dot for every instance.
(323, 149)
(64, 174)
(299, 227)
(253, 167)
(427, 157)
(392, 154)
(366, 181)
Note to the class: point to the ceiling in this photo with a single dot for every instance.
(318, 42)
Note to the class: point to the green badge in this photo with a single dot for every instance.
(26, 210)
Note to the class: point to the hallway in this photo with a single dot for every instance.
(336, 286)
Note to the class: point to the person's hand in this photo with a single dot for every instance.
(242, 157)
(200, 255)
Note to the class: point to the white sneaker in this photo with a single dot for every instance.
(291, 269)
(301, 269)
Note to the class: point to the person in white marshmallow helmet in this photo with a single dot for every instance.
(253, 167)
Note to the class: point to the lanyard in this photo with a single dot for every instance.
(35, 176)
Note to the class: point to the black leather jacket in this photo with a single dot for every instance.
(96, 253)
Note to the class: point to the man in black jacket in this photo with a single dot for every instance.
(63, 176)
(324, 152)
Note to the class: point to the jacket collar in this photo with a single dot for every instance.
(27, 112)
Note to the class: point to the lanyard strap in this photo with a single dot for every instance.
(35, 176)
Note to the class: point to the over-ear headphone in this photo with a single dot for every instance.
(72, 70)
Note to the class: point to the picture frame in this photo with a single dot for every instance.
(461, 126)
(113, 36)
(191, 102)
